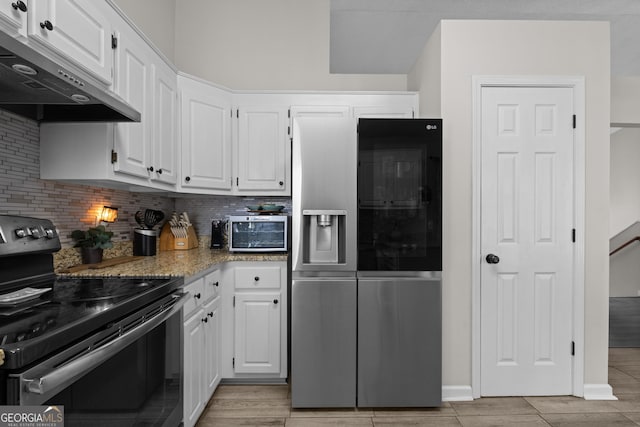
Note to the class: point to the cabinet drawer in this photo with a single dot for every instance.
(258, 277)
(212, 283)
(196, 293)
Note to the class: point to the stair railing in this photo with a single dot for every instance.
(624, 245)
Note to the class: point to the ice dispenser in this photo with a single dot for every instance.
(325, 236)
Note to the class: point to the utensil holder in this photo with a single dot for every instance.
(144, 242)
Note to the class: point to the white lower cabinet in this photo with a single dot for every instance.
(212, 319)
(193, 361)
(202, 328)
(252, 345)
(255, 348)
(257, 332)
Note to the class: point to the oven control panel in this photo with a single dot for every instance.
(20, 235)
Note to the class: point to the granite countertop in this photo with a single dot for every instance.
(174, 263)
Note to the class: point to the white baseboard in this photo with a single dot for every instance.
(598, 392)
(461, 393)
(456, 393)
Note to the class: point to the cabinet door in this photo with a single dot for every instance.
(76, 29)
(212, 341)
(205, 136)
(319, 111)
(383, 111)
(257, 332)
(193, 361)
(133, 84)
(164, 123)
(12, 19)
(262, 149)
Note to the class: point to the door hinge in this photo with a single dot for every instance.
(234, 300)
(237, 181)
(289, 113)
(233, 362)
(238, 113)
(573, 235)
(288, 130)
(114, 156)
(574, 121)
(573, 348)
(114, 42)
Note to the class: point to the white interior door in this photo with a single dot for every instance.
(527, 223)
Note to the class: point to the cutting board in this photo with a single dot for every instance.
(105, 263)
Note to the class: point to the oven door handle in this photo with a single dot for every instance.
(69, 372)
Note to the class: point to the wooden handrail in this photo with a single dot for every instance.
(621, 247)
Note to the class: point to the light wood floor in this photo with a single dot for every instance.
(246, 405)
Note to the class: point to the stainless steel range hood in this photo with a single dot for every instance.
(33, 86)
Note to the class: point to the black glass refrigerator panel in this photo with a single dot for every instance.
(400, 195)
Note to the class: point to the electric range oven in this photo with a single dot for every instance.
(109, 350)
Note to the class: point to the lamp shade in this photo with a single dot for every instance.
(109, 214)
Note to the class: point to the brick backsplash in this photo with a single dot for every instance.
(71, 206)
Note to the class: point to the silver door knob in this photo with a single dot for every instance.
(492, 259)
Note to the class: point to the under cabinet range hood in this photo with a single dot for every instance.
(33, 86)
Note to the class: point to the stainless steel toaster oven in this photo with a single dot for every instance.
(258, 233)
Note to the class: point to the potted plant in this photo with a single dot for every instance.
(92, 242)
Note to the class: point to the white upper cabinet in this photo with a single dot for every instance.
(13, 17)
(320, 111)
(383, 111)
(147, 149)
(133, 84)
(77, 29)
(242, 150)
(165, 119)
(205, 136)
(125, 154)
(263, 150)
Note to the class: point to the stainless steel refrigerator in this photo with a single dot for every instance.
(366, 263)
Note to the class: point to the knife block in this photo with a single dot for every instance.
(169, 242)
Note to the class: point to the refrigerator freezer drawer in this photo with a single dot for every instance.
(323, 343)
(399, 342)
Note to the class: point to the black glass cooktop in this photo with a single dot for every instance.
(72, 309)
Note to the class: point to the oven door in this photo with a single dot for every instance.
(127, 374)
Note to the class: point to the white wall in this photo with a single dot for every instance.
(624, 272)
(156, 19)
(264, 45)
(624, 269)
(250, 44)
(625, 179)
(426, 76)
(625, 100)
(555, 48)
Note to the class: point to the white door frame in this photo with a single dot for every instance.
(577, 84)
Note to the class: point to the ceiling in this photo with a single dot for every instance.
(386, 36)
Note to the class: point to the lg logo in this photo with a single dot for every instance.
(432, 127)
